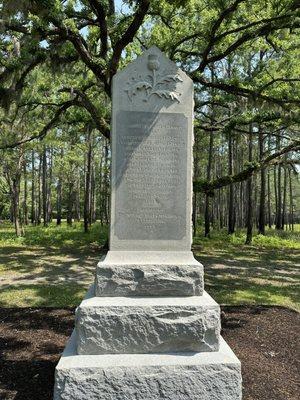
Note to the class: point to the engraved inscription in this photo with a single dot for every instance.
(151, 169)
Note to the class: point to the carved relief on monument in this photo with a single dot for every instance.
(161, 84)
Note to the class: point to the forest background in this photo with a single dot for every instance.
(57, 61)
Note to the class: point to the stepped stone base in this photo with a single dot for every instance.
(149, 273)
(177, 376)
(121, 325)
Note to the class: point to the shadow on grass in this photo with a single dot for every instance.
(258, 276)
(46, 265)
(239, 291)
(59, 295)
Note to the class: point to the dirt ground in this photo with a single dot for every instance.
(266, 340)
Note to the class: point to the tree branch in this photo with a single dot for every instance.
(208, 187)
(246, 37)
(128, 36)
(100, 122)
(214, 30)
(286, 80)
(51, 124)
(80, 45)
(100, 12)
(244, 92)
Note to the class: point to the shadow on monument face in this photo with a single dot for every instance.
(150, 168)
(155, 105)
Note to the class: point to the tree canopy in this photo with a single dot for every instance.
(58, 59)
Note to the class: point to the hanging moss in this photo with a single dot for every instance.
(208, 187)
(5, 98)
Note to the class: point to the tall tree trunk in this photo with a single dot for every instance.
(15, 201)
(44, 187)
(269, 200)
(269, 187)
(25, 204)
(279, 195)
(59, 193)
(275, 193)
(262, 198)
(249, 192)
(241, 206)
(196, 174)
(14, 181)
(101, 186)
(93, 195)
(49, 186)
(207, 212)
(208, 177)
(77, 198)
(107, 169)
(221, 208)
(39, 209)
(231, 215)
(88, 177)
(33, 211)
(70, 202)
(283, 216)
(58, 202)
(291, 201)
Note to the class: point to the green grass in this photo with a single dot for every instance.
(54, 266)
(54, 236)
(35, 295)
(273, 239)
(265, 272)
(50, 266)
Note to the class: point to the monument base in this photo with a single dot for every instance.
(149, 273)
(122, 325)
(184, 376)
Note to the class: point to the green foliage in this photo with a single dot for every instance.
(262, 273)
(273, 240)
(58, 237)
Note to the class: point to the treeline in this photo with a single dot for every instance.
(270, 199)
(58, 60)
(68, 181)
(57, 180)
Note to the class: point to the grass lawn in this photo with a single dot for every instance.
(50, 266)
(267, 272)
(53, 266)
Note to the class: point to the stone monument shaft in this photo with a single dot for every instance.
(147, 330)
(151, 178)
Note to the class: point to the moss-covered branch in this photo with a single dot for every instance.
(208, 187)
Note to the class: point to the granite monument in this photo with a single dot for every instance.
(147, 330)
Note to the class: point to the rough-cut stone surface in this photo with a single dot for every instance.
(145, 280)
(149, 274)
(183, 376)
(118, 325)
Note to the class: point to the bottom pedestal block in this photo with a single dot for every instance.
(132, 325)
(174, 376)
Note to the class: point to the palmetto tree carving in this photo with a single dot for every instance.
(154, 84)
